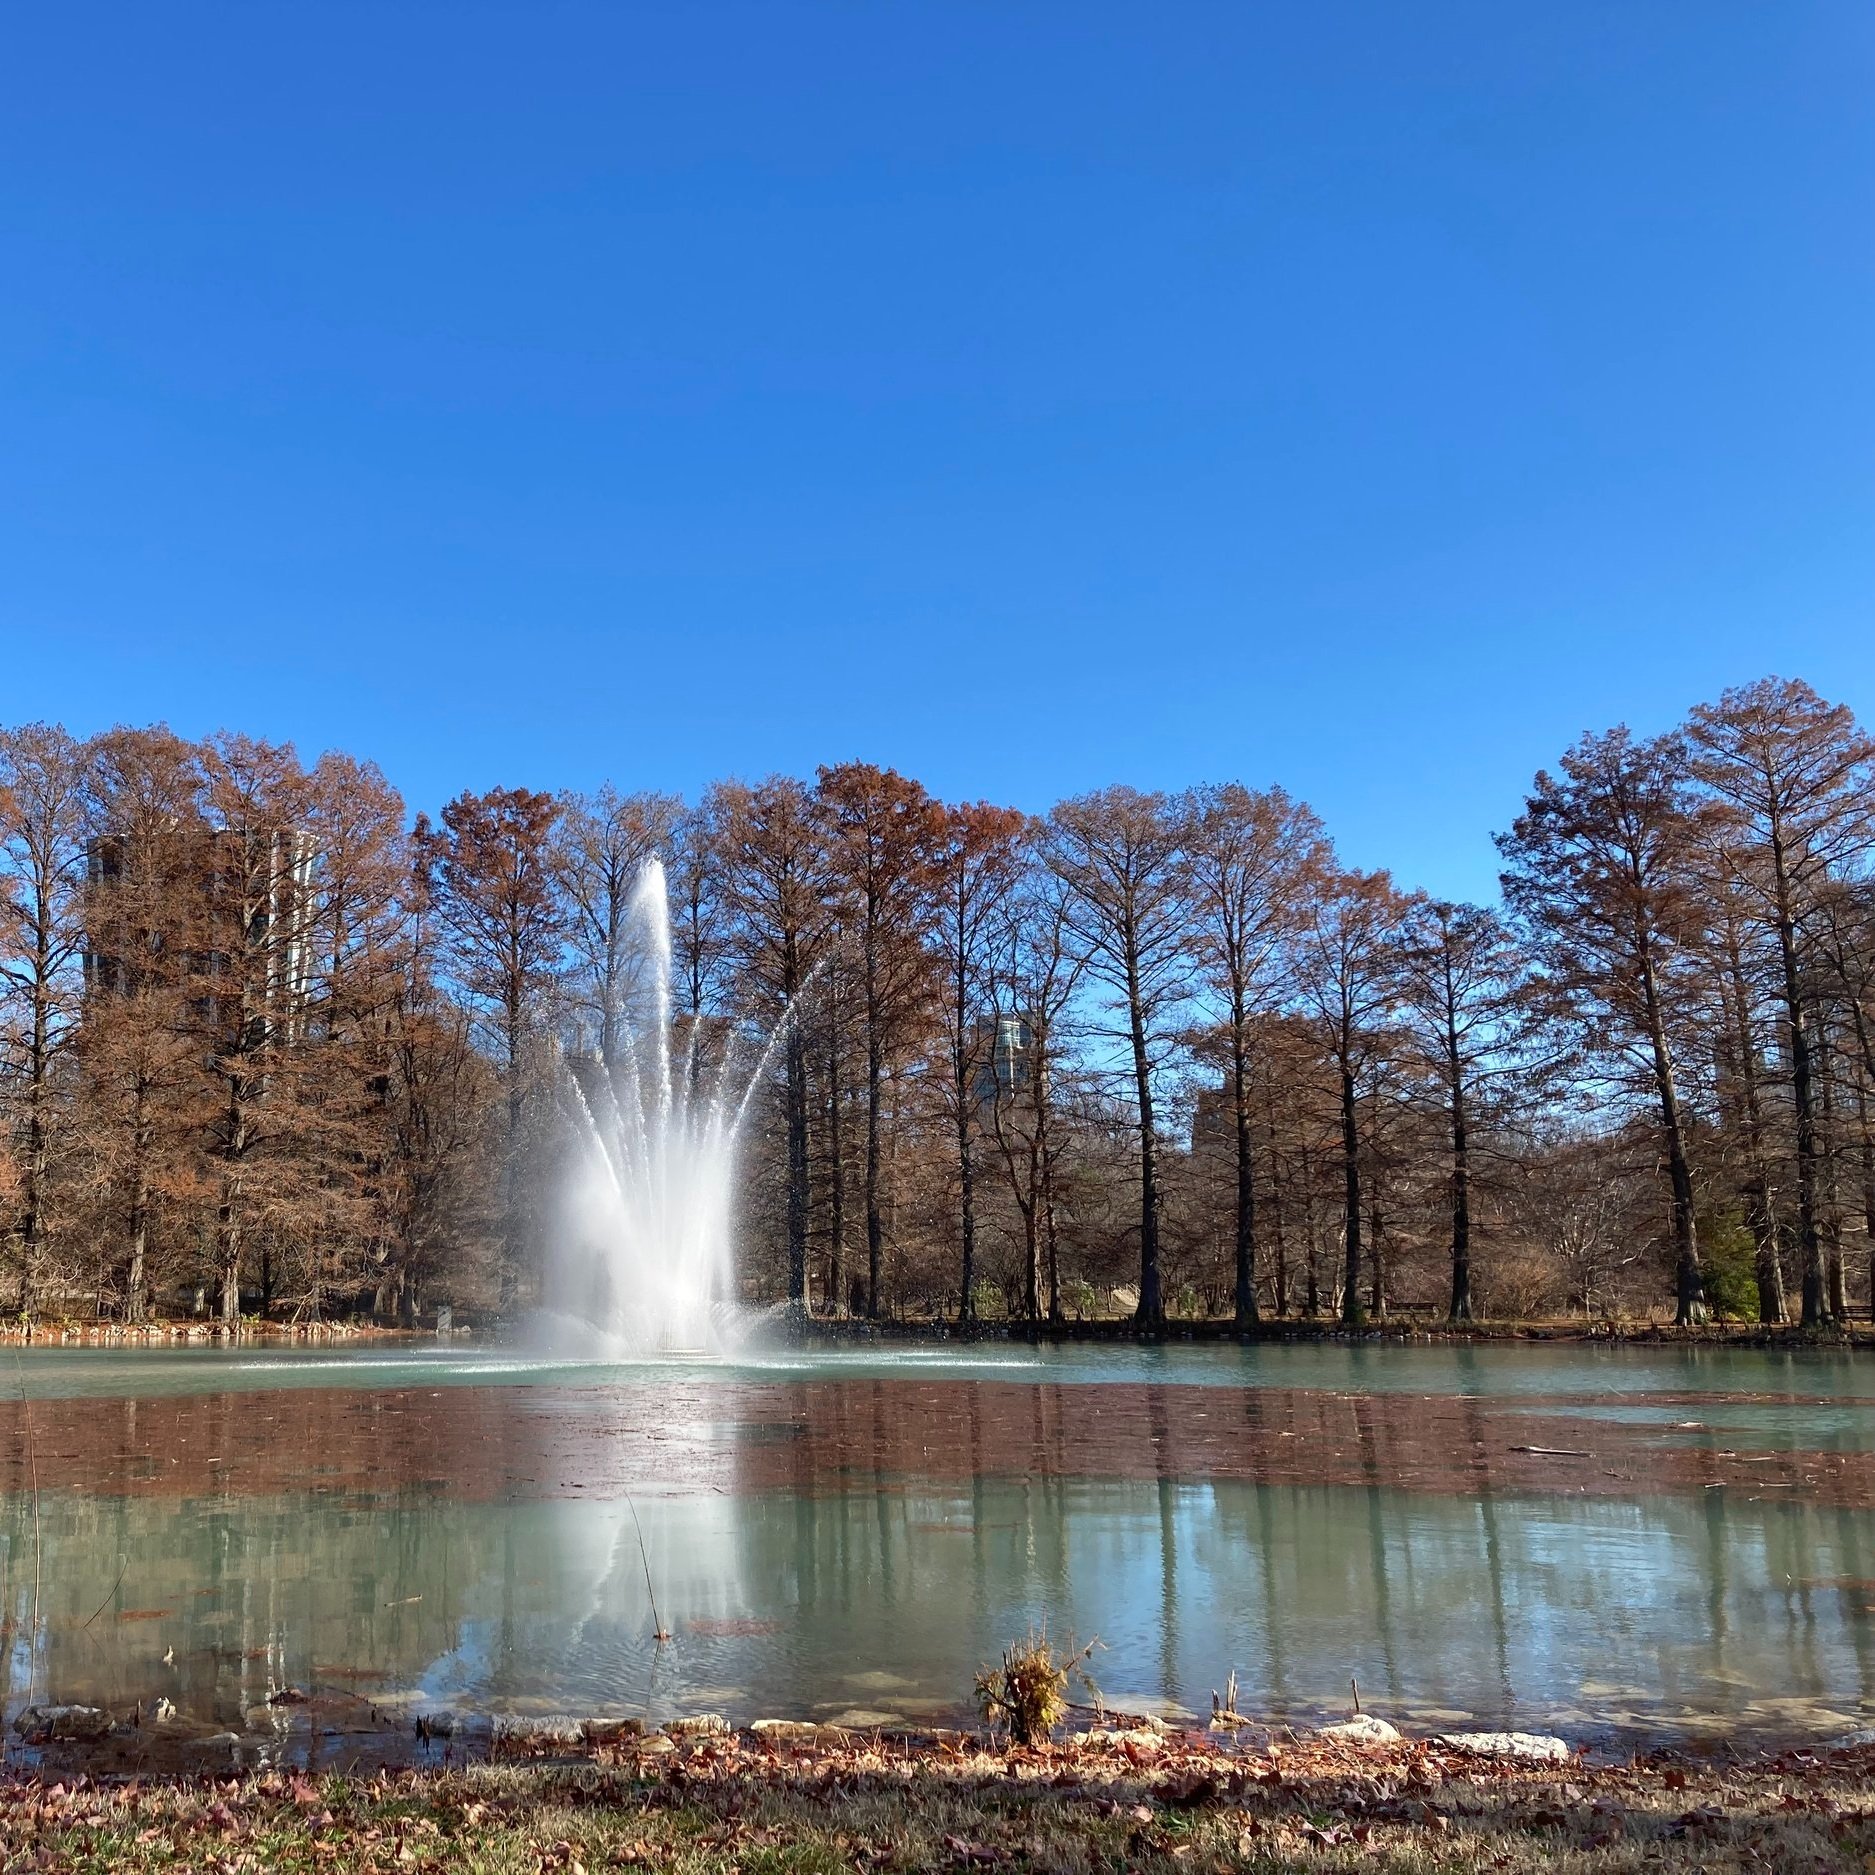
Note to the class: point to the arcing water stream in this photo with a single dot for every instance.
(643, 1261)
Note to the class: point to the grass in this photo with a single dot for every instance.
(1123, 1802)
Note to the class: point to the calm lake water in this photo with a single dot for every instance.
(1599, 1541)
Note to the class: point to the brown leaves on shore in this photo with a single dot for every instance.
(733, 1803)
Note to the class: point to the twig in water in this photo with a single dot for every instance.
(1354, 1686)
(659, 1632)
(115, 1586)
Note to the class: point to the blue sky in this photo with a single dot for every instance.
(1369, 398)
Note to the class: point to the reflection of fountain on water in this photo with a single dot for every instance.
(643, 1260)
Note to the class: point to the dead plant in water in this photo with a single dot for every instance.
(1028, 1693)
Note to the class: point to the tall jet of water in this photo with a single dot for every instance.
(643, 1260)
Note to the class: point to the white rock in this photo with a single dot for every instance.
(1362, 1729)
(548, 1729)
(786, 1731)
(1853, 1741)
(1536, 1747)
(698, 1725)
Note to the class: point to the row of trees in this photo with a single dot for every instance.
(268, 1043)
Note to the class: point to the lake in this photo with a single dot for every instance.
(1606, 1542)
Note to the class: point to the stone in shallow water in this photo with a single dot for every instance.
(612, 1731)
(698, 1725)
(1536, 1747)
(544, 1729)
(1362, 1729)
(791, 1731)
(47, 1722)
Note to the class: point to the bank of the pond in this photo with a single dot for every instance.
(930, 1331)
(754, 1805)
(1401, 1329)
(190, 1333)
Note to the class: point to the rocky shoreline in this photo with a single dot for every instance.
(323, 1730)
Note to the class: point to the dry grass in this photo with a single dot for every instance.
(1124, 1803)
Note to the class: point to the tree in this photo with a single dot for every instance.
(1463, 972)
(1846, 936)
(439, 1089)
(1348, 980)
(491, 877)
(600, 848)
(255, 866)
(883, 835)
(1249, 859)
(776, 889)
(1794, 779)
(358, 939)
(42, 869)
(1117, 851)
(979, 866)
(1035, 969)
(1738, 1052)
(1600, 868)
(697, 942)
(146, 1099)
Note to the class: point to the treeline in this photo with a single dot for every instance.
(270, 1045)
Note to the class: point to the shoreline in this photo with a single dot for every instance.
(1405, 1331)
(332, 1730)
(822, 1331)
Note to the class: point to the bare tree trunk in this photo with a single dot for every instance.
(797, 1168)
(1351, 1187)
(1151, 1310)
(1769, 1266)
(1246, 1220)
(875, 1221)
(1281, 1292)
(836, 1173)
(1376, 1262)
(1689, 1289)
(1460, 1310)
(511, 1229)
(960, 1102)
(1803, 1091)
(139, 1239)
(1830, 1195)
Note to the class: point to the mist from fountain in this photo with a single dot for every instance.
(643, 1260)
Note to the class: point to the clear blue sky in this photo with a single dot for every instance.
(1366, 397)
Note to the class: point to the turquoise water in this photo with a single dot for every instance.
(1497, 1370)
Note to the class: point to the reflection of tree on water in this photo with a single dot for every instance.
(1493, 1546)
(788, 1599)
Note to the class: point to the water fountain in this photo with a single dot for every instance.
(642, 1262)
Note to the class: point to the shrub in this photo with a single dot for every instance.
(1028, 1693)
(1728, 1266)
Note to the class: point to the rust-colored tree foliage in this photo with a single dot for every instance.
(269, 1046)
